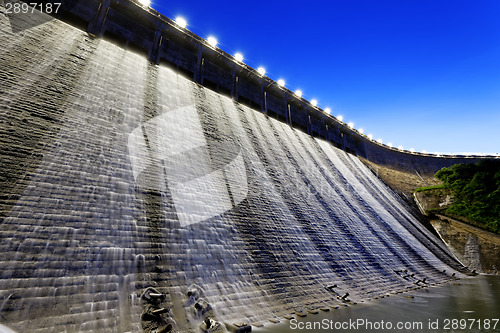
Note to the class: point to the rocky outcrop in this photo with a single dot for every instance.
(433, 200)
(476, 248)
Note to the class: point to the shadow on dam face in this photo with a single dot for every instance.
(171, 150)
(127, 182)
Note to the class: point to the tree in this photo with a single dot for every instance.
(476, 191)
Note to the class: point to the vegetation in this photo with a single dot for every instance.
(435, 187)
(476, 191)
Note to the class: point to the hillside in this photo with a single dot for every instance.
(476, 192)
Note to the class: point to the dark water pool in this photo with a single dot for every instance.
(470, 305)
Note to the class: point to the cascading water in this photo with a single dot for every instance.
(124, 176)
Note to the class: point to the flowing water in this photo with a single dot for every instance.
(119, 175)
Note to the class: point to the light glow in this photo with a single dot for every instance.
(328, 110)
(361, 130)
(400, 147)
(350, 124)
(281, 82)
(146, 3)
(314, 102)
(389, 144)
(238, 57)
(261, 71)
(412, 150)
(379, 141)
(340, 117)
(212, 41)
(370, 136)
(298, 92)
(181, 22)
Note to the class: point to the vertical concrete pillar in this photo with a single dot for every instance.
(288, 114)
(287, 110)
(234, 90)
(96, 27)
(265, 102)
(325, 126)
(154, 51)
(198, 77)
(263, 94)
(308, 123)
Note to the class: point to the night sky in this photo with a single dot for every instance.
(418, 74)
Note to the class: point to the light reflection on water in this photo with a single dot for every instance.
(462, 306)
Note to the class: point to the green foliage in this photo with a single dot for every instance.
(435, 187)
(476, 191)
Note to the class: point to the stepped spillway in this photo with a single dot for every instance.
(118, 175)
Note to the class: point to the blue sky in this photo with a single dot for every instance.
(421, 74)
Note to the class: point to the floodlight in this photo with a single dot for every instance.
(146, 3)
(340, 118)
(281, 82)
(350, 124)
(328, 110)
(181, 22)
(298, 92)
(361, 130)
(370, 136)
(261, 71)
(212, 41)
(314, 102)
(238, 57)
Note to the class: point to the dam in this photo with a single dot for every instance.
(124, 179)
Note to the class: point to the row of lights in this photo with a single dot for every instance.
(212, 41)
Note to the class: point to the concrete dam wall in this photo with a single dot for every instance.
(119, 175)
(129, 24)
